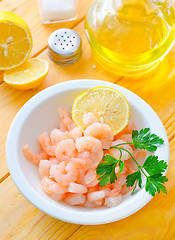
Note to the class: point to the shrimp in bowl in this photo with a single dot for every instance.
(69, 158)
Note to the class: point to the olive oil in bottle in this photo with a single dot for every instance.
(130, 37)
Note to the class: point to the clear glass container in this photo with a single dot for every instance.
(53, 11)
(130, 37)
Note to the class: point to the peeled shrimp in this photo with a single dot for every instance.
(92, 145)
(65, 150)
(99, 202)
(77, 188)
(75, 199)
(64, 173)
(50, 186)
(81, 176)
(93, 189)
(57, 135)
(61, 126)
(114, 192)
(45, 143)
(54, 160)
(113, 201)
(140, 155)
(74, 133)
(93, 183)
(127, 130)
(126, 190)
(68, 122)
(83, 155)
(116, 152)
(44, 167)
(121, 181)
(90, 176)
(126, 138)
(80, 163)
(123, 171)
(131, 167)
(95, 196)
(57, 196)
(88, 204)
(33, 157)
(89, 118)
(102, 132)
(107, 190)
(130, 127)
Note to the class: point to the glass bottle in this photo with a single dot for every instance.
(130, 37)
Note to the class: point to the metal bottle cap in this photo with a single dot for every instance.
(64, 46)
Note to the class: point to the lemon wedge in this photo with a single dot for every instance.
(29, 75)
(108, 105)
(15, 40)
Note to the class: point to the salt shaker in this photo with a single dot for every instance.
(52, 11)
(64, 46)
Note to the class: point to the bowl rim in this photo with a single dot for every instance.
(71, 215)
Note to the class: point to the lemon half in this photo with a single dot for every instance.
(28, 75)
(108, 105)
(15, 40)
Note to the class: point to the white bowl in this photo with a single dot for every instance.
(39, 114)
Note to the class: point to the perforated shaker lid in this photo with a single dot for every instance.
(64, 46)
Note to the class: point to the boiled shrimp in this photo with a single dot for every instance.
(77, 188)
(74, 133)
(90, 176)
(46, 144)
(65, 150)
(116, 152)
(68, 122)
(64, 173)
(92, 145)
(83, 155)
(89, 118)
(102, 132)
(81, 176)
(50, 186)
(113, 201)
(75, 199)
(57, 135)
(127, 130)
(95, 196)
(126, 138)
(33, 157)
(44, 167)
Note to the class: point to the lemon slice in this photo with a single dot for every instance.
(15, 40)
(29, 75)
(108, 105)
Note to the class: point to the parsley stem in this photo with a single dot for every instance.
(120, 155)
(134, 188)
(120, 144)
(129, 154)
(140, 167)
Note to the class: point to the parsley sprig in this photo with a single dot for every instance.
(152, 168)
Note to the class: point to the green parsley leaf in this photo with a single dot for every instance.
(133, 178)
(106, 170)
(153, 166)
(104, 180)
(145, 140)
(154, 184)
(121, 166)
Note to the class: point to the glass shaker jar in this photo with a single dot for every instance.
(130, 37)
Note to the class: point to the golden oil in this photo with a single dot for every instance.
(131, 39)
